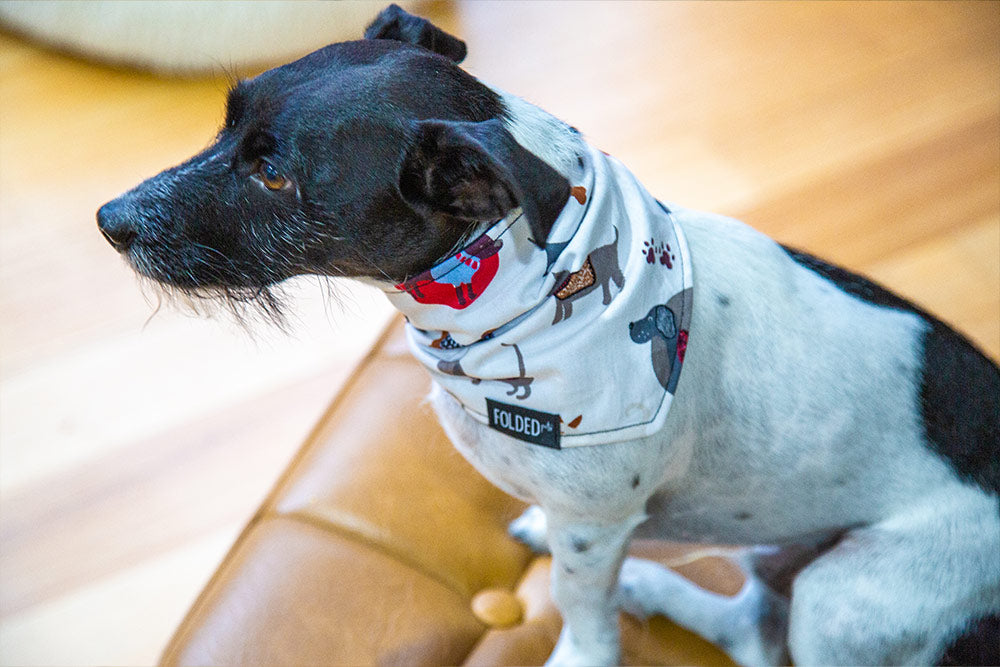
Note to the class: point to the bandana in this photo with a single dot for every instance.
(579, 343)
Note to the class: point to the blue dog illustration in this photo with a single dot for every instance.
(659, 326)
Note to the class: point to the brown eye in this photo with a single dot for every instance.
(270, 176)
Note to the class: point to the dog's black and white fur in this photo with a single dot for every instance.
(818, 413)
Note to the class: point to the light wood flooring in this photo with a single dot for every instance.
(134, 446)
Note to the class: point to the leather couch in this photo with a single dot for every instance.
(380, 545)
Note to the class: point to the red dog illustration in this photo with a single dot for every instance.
(460, 279)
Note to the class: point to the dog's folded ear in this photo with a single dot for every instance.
(663, 318)
(394, 22)
(478, 172)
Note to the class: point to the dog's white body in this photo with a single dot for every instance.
(791, 423)
(803, 415)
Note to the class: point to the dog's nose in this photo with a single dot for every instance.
(115, 225)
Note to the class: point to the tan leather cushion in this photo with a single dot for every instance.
(376, 540)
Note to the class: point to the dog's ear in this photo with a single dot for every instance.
(478, 172)
(394, 22)
(663, 318)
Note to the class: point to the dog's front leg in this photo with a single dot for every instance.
(586, 559)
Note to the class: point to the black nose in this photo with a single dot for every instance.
(116, 225)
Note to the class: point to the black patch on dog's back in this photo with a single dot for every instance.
(959, 387)
(978, 645)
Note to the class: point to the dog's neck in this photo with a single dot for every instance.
(549, 138)
(554, 327)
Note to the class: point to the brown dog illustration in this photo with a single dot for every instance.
(600, 268)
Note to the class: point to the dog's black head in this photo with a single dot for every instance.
(369, 158)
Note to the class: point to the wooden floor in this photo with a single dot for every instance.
(133, 446)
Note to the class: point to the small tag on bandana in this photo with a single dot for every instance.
(538, 428)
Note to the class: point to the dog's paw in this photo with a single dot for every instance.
(590, 653)
(532, 529)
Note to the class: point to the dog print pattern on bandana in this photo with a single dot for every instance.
(579, 343)
(457, 281)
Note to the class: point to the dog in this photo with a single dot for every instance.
(846, 438)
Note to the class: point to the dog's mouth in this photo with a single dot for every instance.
(205, 280)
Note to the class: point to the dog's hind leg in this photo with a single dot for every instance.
(903, 590)
(750, 626)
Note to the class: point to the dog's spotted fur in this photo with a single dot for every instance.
(817, 412)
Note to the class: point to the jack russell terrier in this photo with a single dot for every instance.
(631, 367)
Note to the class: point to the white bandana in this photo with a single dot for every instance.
(577, 344)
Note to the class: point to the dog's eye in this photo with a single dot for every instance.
(271, 177)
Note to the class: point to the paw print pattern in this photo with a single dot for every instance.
(649, 251)
(658, 252)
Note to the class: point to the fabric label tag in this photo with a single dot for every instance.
(538, 428)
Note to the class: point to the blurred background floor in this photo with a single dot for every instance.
(134, 446)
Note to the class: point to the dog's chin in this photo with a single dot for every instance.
(205, 293)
